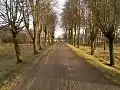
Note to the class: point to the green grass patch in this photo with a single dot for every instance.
(110, 72)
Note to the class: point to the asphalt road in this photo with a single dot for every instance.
(61, 69)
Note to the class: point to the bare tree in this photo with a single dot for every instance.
(11, 16)
(107, 14)
(41, 11)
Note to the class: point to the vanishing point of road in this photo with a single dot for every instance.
(62, 69)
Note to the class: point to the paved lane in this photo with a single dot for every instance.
(61, 69)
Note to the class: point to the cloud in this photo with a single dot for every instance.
(58, 8)
(59, 31)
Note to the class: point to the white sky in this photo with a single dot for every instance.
(58, 10)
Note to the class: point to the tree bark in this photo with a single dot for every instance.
(78, 38)
(49, 36)
(92, 47)
(46, 41)
(75, 35)
(40, 43)
(52, 37)
(17, 48)
(35, 41)
(111, 51)
(71, 36)
(105, 43)
(83, 38)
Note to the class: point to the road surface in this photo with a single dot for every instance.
(61, 69)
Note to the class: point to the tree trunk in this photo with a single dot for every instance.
(78, 41)
(45, 38)
(86, 37)
(34, 46)
(66, 35)
(78, 38)
(35, 40)
(71, 36)
(97, 41)
(92, 47)
(40, 44)
(17, 48)
(48, 35)
(75, 36)
(52, 37)
(111, 51)
(83, 38)
(104, 43)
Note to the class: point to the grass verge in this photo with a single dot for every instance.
(12, 77)
(110, 72)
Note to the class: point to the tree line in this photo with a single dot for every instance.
(20, 15)
(92, 22)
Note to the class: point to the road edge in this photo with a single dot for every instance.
(8, 84)
(110, 72)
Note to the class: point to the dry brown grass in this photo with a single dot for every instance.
(8, 58)
(103, 55)
(99, 60)
(9, 70)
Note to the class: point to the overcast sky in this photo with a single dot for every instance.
(58, 9)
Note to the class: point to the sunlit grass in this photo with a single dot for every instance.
(103, 55)
(110, 72)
